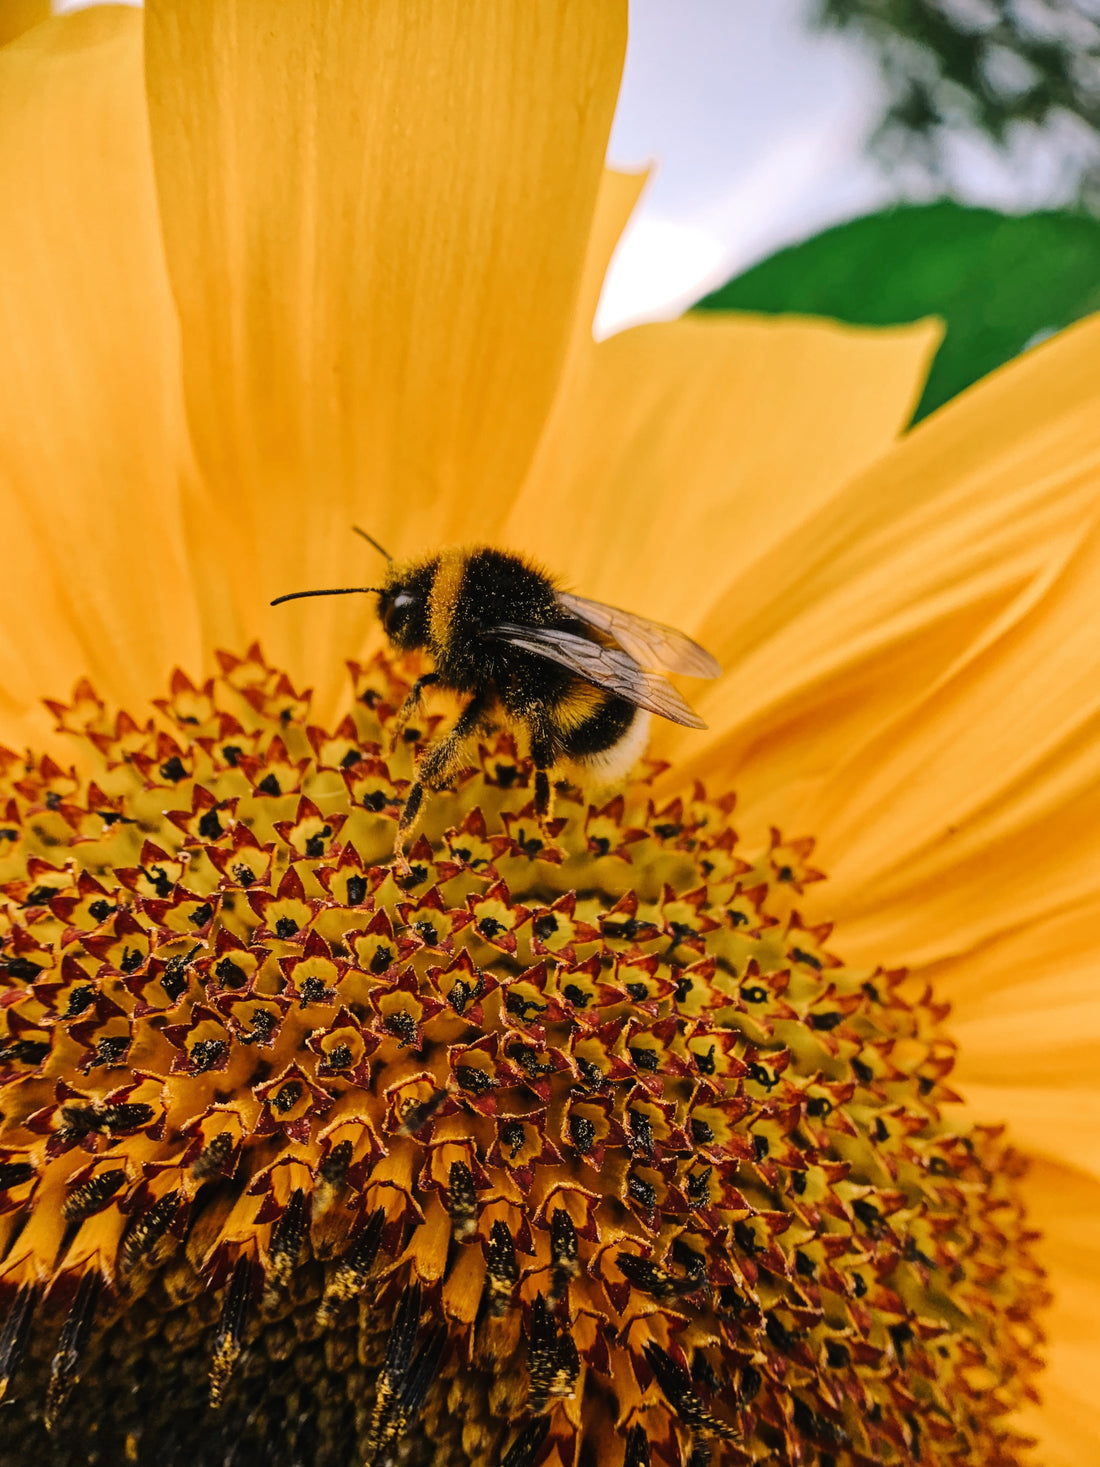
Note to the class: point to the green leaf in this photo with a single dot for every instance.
(999, 282)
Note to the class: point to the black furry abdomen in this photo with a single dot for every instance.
(600, 731)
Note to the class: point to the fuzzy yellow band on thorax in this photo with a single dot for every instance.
(446, 589)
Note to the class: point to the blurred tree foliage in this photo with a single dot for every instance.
(954, 65)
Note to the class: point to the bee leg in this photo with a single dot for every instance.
(542, 753)
(437, 768)
(409, 706)
(406, 824)
(544, 796)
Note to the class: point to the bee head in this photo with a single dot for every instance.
(403, 600)
(403, 605)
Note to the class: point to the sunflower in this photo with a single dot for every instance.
(627, 1139)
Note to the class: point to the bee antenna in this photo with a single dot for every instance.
(371, 540)
(331, 591)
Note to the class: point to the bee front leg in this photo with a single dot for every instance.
(436, 770)
(409, 706)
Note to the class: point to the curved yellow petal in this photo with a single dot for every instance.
(615, 203)
(945, 545)
(981, 805)
(679, 452)
(376, 219)
(17, 16)
(1038, 966)
(1026, 1014)
(94, 434)
(920, 690)
(1065, 1205)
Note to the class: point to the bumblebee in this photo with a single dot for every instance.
(580, 677)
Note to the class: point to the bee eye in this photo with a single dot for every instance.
(396, 613)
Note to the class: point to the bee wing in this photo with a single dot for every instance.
(650, 642)
(606, 667)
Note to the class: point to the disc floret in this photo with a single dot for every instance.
(589, 1151)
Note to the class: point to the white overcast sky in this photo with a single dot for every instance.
(754, 126)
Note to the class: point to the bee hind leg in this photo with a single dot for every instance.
(544, 795)
(543, 757)
(436, 770)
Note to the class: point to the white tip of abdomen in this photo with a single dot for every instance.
(611, 766)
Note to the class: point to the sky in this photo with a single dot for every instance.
(754, 125)
(754, 131)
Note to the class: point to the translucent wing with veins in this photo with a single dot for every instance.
(650, 643)
(606, 667)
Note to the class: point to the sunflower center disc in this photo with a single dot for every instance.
(587, 1151)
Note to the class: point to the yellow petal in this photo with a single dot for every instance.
(982, 805)
(93, 425)
(1026, 1014)
(894, 588)
(376, 219)
(920, 689)
(680, 452)
(17, 16)
(1066, 1206)
(615, 203)
(1061, 1122)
